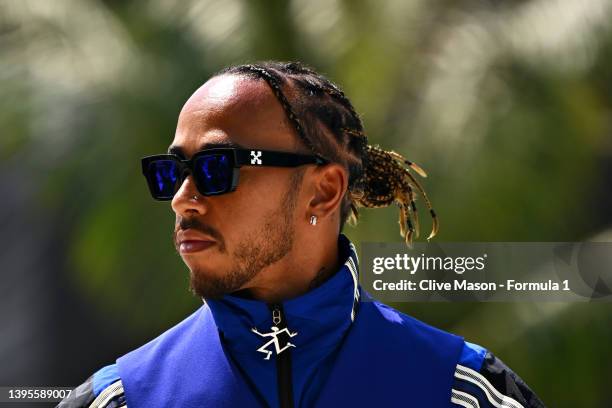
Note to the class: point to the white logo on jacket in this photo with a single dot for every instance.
(274, 334)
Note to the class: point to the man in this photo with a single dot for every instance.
(267, 163)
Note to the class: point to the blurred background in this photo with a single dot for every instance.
(506, 104)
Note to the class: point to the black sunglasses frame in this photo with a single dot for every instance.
(237, 158)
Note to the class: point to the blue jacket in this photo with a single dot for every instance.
(341, 348)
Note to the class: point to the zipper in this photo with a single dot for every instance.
(283, 362)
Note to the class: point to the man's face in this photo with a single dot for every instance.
(227, 240)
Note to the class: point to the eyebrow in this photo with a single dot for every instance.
(177, 150)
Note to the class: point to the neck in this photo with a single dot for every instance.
(297, 273)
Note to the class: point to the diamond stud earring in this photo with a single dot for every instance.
(313, 220)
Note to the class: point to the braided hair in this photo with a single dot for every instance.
(328, 125)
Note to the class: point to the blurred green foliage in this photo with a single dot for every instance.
(507, 105)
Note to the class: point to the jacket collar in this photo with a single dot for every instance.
(320, 316)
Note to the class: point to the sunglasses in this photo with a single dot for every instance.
(215, 171)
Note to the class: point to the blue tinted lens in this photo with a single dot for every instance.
(213, 173)
(163, 175)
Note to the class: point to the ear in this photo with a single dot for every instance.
(330, 183)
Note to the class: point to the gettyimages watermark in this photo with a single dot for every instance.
(488, 271)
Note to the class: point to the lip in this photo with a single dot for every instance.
(190, 242)
(189, 247)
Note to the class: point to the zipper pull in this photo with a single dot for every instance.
(276, 315)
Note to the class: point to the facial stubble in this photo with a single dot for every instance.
(256, 251)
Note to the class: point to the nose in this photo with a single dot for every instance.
(183, 201)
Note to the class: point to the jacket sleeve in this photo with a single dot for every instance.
(102, 390)
(483, 380)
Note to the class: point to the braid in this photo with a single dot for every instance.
(377, 178)
(273, 82)
(388, 182)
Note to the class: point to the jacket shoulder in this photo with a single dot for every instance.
(161, 345)
(105, 388)
(399, 334)
(480, 379)
(403, 325)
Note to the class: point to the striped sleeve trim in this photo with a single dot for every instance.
(494, 397)
(112, 396)
(490, 382)
(464, 399)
